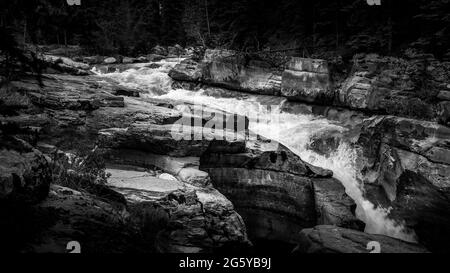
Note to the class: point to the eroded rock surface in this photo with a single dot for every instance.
(25, 174)
(424, 208)
(407, 168)
(307, 80)
(332, 239)
(225, 68)
(392, 144)
(275, 191)
(178, 217)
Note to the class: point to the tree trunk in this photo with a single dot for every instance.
(390, 27)
(25, 33)
(207, 18)
(314, 28)
(65, 41)
(338, 6)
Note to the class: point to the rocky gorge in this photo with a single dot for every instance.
(336, 160)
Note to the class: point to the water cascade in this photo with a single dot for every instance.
(292, 130)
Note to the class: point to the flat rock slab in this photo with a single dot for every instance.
(141, 180)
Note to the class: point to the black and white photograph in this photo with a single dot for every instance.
(238, 130)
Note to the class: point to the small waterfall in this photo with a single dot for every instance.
(292, 130)
(152, 79)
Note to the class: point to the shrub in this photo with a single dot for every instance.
(79, 172)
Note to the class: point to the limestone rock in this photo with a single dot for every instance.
(186, 70)
(444, 113)
(128, 60)
(68, 215)
(181, 219)
(110, 60)
(66, 65)
(159, 50)
(334, 206)
(392, 145)
(423, 208)
(225, 68)
(307, 80)
(69, 92)
(332, 239)
(172, 139)
(25, 174)
(271, 187)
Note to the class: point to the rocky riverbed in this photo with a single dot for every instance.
(335, 164)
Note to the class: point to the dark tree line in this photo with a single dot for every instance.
(304, 26)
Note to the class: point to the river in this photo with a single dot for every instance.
(295, 131)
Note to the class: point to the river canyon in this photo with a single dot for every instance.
(309, 163)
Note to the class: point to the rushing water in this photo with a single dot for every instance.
(292, 130)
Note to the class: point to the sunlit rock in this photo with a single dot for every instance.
(307, 80)
(110, 60)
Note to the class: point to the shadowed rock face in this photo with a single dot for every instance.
(407, 168)
(97, 225)
(68, 215)
(392, 145)
(332, 239)
(333, 205)
(425, 209)
(275, 192)
(272, 204)
(25, 174)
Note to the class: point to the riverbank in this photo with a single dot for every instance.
(177, 193)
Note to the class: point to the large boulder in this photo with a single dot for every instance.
(68, 215)
(175, 51)
(334, 206)
(332, 239)
(66, 65)
(69, 92)
(176, 140)
(228, 69)
(187, 70)
(411, 86)
(358, 92)
(180, 218)
(424, 208)
(69, 111)
(405, 164)
(444, 112)
(389, 145)
(110, 60)
(25, 174)
(275, 191)
(307, 80)
(202, 220)
(186, 169)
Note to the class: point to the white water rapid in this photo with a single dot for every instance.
(292, 130)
